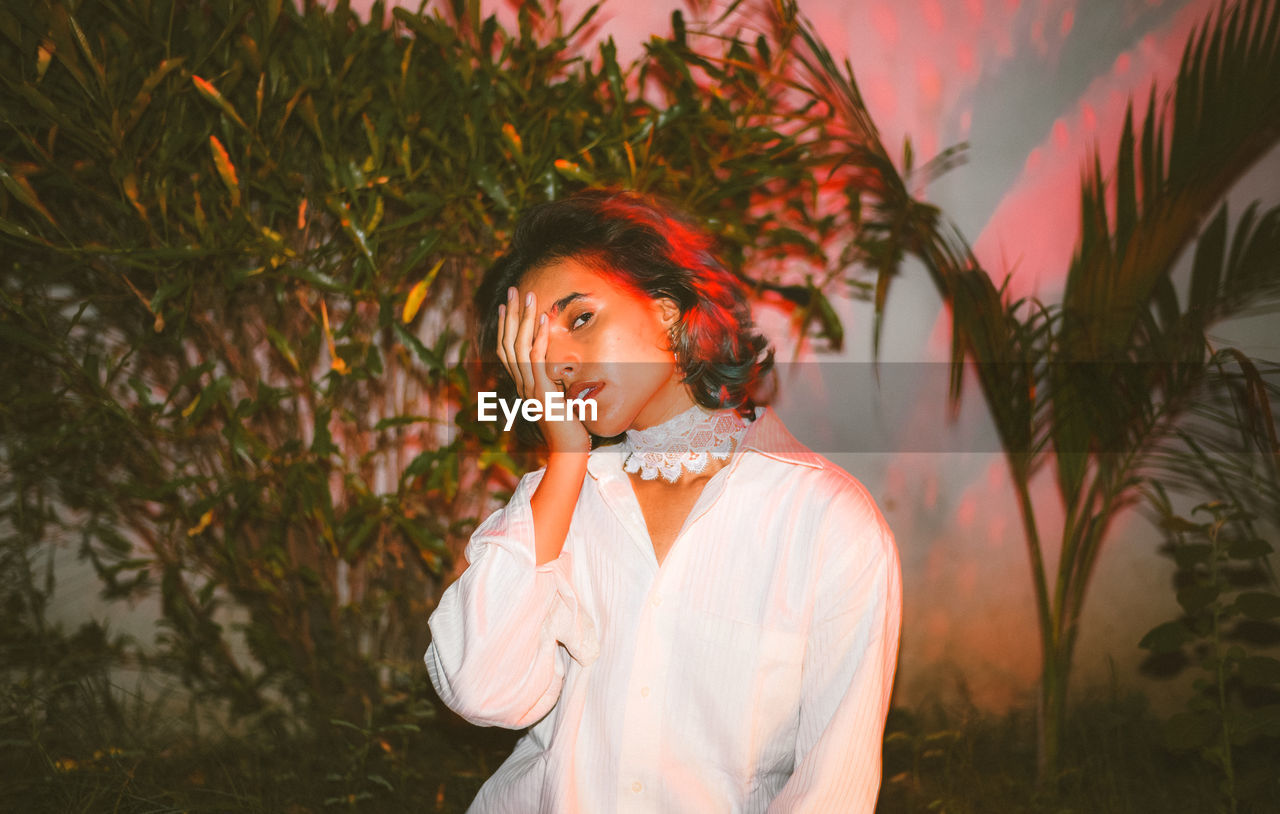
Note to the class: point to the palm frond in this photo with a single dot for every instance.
(891, 223)
(1225, 113)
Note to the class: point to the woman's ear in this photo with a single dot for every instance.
(669, 311)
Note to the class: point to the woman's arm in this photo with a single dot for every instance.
(848, 667)
(495, 655)
(554, 500)
(523, 335)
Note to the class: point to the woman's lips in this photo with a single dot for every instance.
(585, 390)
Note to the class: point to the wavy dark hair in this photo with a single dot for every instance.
(659, 252)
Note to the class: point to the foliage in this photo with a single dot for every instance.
(1233, 719)
(1119, 382)
(140, 759)
(239, 244)
(961, 760)
(240, 240)
(953, 760)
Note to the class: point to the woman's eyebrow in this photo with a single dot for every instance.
(564, 301)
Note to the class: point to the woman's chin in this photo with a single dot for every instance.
(605, 429)
(607, 425)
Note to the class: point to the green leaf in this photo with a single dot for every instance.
(421, 464)
(832, 328)
(419, 350)
(1249, 548)
(1166, 638)
(322, 440)
(400, 421)
(574, 171)
(207, 399)
(21, 189)
(362, 534)
(281, 344)
(208, 91)
(1258, 605)
(1189, 555)
(1195, 598)
(487, 180)
(1260, 671)
(1266, 720)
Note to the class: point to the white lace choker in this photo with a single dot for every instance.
(687, 441)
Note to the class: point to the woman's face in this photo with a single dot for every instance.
(608, 343)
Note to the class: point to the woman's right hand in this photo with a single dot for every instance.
(523, 334)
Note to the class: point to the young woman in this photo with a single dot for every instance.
(701, 617)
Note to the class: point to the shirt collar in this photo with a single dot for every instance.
(766, 435)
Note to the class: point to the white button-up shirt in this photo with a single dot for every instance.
(751, 671)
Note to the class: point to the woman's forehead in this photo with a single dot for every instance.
(565, 279)
(563, 273)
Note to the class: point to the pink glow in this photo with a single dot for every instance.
(930, 80)
(1034, 228)
(933, 15)
(885, 23)
(1037, 37)
(967, 513)
(1061, 137)
(1034, 159)
(997, 527)
(881, 97)
(889, 45)
(931, 490)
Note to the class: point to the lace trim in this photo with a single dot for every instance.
(686, 442)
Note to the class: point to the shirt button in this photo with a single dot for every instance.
(636, 787)
(657, 600)
(644, 692)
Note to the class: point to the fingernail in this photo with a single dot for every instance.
(528, 299)
(542, 320)
(502, 310)
(511, 293)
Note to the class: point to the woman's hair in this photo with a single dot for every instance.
(651, 249)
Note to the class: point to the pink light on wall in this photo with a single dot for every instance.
(1033, 230)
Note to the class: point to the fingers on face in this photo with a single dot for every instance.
(524, 345)
(538, 353)
(519, 328)
(523, 337)
(508, 320)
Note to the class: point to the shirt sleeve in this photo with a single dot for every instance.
(495, 656)
(849, 664)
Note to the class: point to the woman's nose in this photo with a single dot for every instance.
(562, 360)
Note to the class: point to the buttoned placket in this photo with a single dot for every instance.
(638, 760)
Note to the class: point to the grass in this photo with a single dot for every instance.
(960, 761)
(60, 754)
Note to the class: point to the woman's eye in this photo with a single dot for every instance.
(580, 320)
